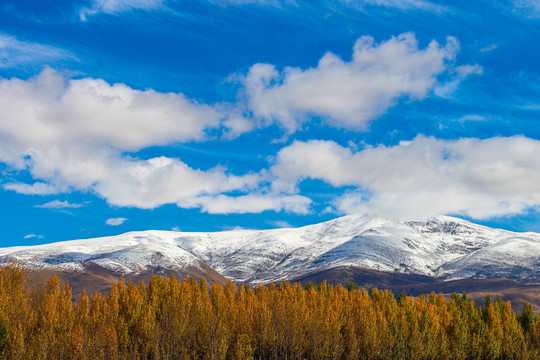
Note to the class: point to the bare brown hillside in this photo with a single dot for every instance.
(414, 285)
(98, 279)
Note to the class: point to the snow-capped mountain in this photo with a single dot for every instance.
(443, 247)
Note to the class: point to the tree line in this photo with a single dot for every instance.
(185, 319)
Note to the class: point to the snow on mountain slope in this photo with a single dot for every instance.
(441, 247)
(126, 253)
(516, 257)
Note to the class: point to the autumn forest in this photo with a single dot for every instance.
(187, 319)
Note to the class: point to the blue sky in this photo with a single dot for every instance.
(121, 115)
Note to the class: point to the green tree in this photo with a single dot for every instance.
(4, 331)
(352, 286)
(401, 298)
(527, 317)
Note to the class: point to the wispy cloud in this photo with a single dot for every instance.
(16, 53)
(31, 236)
(489, 48)
(56, 204)
(234, 228)
(472, 117)
(37, 188)
(447, 89)
(116, 221)
(118, 6)
(359, 4)
(398, 4)
(274, 3)
(282, 224)
(528, 8)
(113, 7)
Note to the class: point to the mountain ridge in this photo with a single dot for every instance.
(441, 247)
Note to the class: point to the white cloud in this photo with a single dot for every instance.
(57, 204)
(489, 48)
(348, 94)
(359, 4)
(115, 221)
(37, 188)
(14, 53)
(176, 228)
(422, 177)
(60, 110)
(252, 203)
(31, 236)
(73, 135)
(399, 4)
(460, 73)
(118, 6)
(281, 224)
(275, 3)
(158, 181)
(528, 8)
(472, 117)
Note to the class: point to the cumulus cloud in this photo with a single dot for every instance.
(252, 203)
(78, 134)
(52, 109)
(14, 53)
(74, 135)
(162, 180)
(116, 221)
(57, 204)
(422, 177)
(348, 94)
(118, 6)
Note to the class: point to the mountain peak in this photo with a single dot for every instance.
(441, 246)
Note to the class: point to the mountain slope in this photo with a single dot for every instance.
(442, 247)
